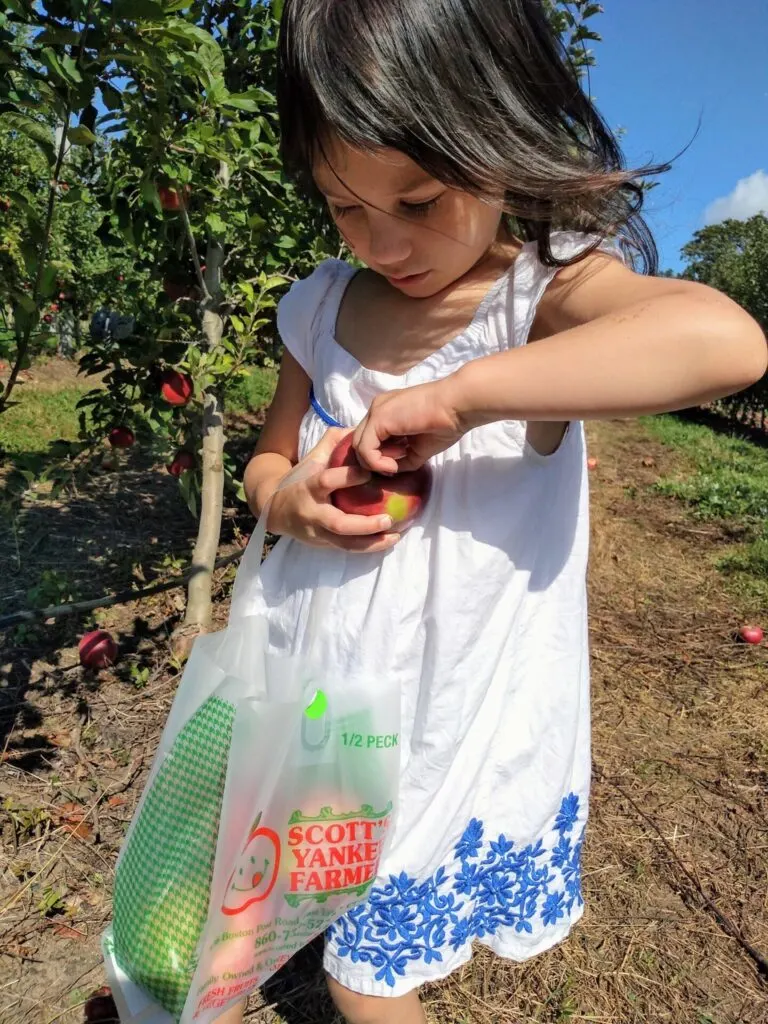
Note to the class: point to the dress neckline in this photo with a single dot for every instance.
(472, 328)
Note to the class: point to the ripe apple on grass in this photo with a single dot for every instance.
(402, 496)
(751, 634)
(175, 387)
(97, 649)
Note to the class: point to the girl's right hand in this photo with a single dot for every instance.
(304, 510)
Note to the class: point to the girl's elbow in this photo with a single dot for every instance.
(742, 343)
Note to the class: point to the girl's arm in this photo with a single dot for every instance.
(617, 344)
(278, 449)
(304, 509)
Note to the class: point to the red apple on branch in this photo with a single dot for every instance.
(402, 496)
(182, 461)
(176, 387)
(171, 198)
(121, 437)
(97, 649)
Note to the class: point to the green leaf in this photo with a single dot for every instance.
(286, 242)
(81, 136)
(137, 10)
(71, 69)
(276, 281)
(111, 97)
(38, 132)
(215, 224)
(250, 101)
(237, 323)
(48, 281)
(58, 36)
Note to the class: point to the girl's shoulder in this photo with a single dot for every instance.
(309, 307)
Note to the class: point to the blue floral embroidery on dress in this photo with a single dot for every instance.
(407, 920)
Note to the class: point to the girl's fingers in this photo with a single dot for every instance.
(331, 480)
(341, 524)
(370, 448)
(363, 545)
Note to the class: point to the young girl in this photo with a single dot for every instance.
(467, 170)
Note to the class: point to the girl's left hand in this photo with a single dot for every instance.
(411, 425)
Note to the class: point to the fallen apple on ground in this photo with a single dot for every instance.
(592, 463)
(121, 437)
(402, 496)
(97, 649)
(175, 387)
(751, 634)
(182, 461)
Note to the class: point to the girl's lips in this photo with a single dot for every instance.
(407, 279)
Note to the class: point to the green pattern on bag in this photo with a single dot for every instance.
(163, 880)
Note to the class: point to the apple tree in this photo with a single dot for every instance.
(733, 257)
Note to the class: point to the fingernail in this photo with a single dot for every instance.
(386, 523)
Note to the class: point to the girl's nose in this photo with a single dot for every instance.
(389, 240)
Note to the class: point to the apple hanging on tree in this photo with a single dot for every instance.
(171, 198)
(402, 496)
(122, 437)
(176, 387)
(182, 461)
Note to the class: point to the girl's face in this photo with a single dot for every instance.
(405, 225)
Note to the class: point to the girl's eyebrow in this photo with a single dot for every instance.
(329, 191)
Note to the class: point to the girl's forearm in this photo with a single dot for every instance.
(262, 476)
(655, 356)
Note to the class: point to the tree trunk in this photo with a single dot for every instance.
(198, 617)
(199, 604)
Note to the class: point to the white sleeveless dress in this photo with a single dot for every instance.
(480, 614)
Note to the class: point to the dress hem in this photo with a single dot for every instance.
(438, 970)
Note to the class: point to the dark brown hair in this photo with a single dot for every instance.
(479, 93)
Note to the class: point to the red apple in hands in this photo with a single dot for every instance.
(182, 461)
(97, 649)
(402, 496)
(751, 634)
(121, 437)
(176, 388)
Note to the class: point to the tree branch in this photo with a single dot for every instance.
(23, 344)
(110, 600)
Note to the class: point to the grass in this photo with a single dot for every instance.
(253, 392)
(729, 484)
(45, 415)
(39, 418)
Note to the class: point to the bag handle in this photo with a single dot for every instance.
(250, 565)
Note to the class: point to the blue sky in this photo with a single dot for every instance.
(662, 65)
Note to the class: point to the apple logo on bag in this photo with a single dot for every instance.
(255, 872)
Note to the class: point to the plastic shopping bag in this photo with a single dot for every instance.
(264, 818)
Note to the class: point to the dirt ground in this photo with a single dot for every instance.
(676, 860)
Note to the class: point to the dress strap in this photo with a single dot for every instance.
(324, 416)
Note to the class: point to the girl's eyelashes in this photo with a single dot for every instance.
(342, 211)
(412, 209)
(422, 209)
